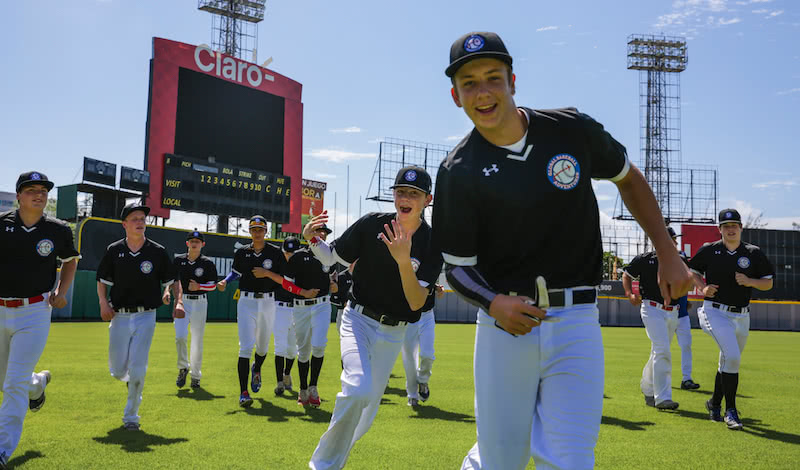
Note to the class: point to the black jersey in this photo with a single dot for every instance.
(376, 278)
(516, 216)
(719, 266)
(136, 278)
(29, 255)
(245, 259)
(344, 280)
(202, 270)
(430, 302)
(645, 268)
(306, 272)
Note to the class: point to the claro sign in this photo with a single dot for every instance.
(228, 67)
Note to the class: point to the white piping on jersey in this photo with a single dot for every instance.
(237, 272)
(622, 173)
(29, 230)
(169, 283)
(108, 283)
(67, 260)
(460, 260)
(767, 277)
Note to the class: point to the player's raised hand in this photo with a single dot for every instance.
(221, 285)
(397, 241)
(675, 279)
(513, 313)
(313, 224)
(710, 290)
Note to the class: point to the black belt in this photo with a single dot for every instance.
(730, 308)
(194, 296)
(133, 309)
(258, 295)
(382, 319)
(314, 301)
(557, 298)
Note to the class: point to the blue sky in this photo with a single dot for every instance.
(74, 81)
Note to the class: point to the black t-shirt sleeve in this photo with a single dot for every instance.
(168, 270)
(634, 269)
(348, 245)
(609, 157)
(431, 268)
(454, 204)
(66, 249)
(764, 268)
(105, 271)
(239, 266)
(699, 261)
(210, 272)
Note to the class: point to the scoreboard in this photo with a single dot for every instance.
(195, 185)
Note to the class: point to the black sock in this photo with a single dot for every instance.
(259, 360)
(302, 368)
(719, 391)
(244, 372)
(287, 370)
(279, 368)
(316, 367)
(731, 383)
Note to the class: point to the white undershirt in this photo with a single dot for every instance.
(517, 146)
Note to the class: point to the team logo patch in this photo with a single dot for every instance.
(146, 267)
(743, 262)
(36, 176)
(44, 247)
(728, 214)
(267, 264)
(474, 43)
(410, 175)
(415, 264)
(564, 171)
(198, 272)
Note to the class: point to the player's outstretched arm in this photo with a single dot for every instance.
(674, 276)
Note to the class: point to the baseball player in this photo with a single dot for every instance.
(198, 275)
(343, 280)
(396, 270)
(134, 267)
(284, 338)
(418, 354)
(732, 268)
(31, 245)
(660, 320)
(255, 310)
(684, 335)
(528, 173)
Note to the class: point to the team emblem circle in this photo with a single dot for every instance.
(743, 262)
(728, 214)
(36, 176)
(414, 264)
(198, 272)
(267, 264)
(146, 267)
(474, 43)
(564, 171)
(410, 175)
(44, 247)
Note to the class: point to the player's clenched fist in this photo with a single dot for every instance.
(221, 285)
(513, 313)
(106, 312)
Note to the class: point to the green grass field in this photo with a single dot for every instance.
(80, 425)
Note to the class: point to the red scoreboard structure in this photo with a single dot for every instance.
(224, 136)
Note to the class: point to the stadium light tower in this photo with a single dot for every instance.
(234, 29)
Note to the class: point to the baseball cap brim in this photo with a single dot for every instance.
(451, 69)
(129, 210)
(408, 186)
(47, 184)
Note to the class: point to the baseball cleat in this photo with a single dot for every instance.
(732, 419)
(131, 426)
(302, 398)
(650, 400)
(287, 382)
(255, 382)
(3, 461)
(714, 412)
(667, 405)
(413, 402)
(181, 380)
(279, 389)
(37, 404)
(244, 400)
(689, 385)
(313, 397)
(424, 391)
(195, 383)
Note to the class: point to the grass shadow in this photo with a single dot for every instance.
(199, 394)
(692, 414)
(757, 428)
(432, 412)
(271, 412)
(24, 458)
(708, 392)
(386, 401)
(401, 392)
(136, 441)
(625, 424)
(317, 415)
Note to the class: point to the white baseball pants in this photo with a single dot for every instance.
(369, 351)
(684, 335)
(284, 339)
(254, 318)
(196, 312)
(729, 330)
(418, 353)
(311, 325)
(23, 335)
(657, 373)
(130, 336)
(550, 400)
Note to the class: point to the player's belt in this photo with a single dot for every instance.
(730, 308)
(258, 295)
(558, 297)
(668, 308)
(14, 302)
(283, 304)
(194, 296)
(314, 301)
(133, 309)
(382, 319)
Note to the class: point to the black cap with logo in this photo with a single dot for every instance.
(195, 235)
(729, 215)
(257, 221)
(413, 177)
(33, 177)
(476, 45)
(325, 229)
(132, 207)
(291, 244)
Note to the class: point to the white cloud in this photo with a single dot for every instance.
(346, 130)
(325, 176)
(761, 11)
(338, 156)
(453, 138)
(698, 14)
(547, 28)
(769, 184)
(724, 22)
(774, 14)
(788, 92)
